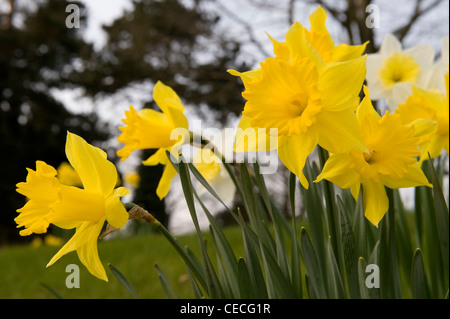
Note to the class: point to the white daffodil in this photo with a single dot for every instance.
(440, 69)
(393, 70)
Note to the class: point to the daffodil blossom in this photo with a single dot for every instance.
(150, 129)
(86, 210)
(429, 105)
(393, 68)
(390, 161)
(213, 171)
(308, 101)
(440, 68)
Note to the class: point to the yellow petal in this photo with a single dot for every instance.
(247, 76)
(345, 52)
(95, 171)
(170, 103)
(159, 157)
(252, 139)
(375, 201)
(294, 150)
(84, 241)
(77, 205)
(280, 49)
(166, 179)
(339, 170)
(340, 132)
(414, 177)
(341, 82)
(299, 47)
(116, 214)
(41, 187)
(318, 20)
(366, 108)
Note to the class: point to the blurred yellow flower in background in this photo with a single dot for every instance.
(430, 105)
(133, 179)
(67, 175)
(150, 129)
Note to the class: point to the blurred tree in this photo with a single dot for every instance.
(169, 42)
(36, 56)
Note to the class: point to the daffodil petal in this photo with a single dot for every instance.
(299, 47)
(116, 214)
(166, 179)
(345, 52)
(414, 177)
(340, 132)
(84, 241)
(170, 103)
(339, 170)
(95, 171)
(293, 151)
(375, 201)
(366, 108)
(341, 82)
(390, 45)
(250, 139)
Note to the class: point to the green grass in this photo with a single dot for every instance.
(23, 273)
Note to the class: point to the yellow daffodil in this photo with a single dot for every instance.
(430, 105)
(133, 179)
(393, 68)
(150, 129)
(308, 101)
(86, 210)
(67, 175)
(391, 161)
(211, 168)
(321, 40)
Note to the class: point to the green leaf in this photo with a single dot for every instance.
(123, 280)
(258, 283)
(244, 280)
(418, 280)
(335, 285)
(165, 283)
(296, 275)
(53, 291)
(349, 252)
(442, 219)
(312, 266)
(365, 292)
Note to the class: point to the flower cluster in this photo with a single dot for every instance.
(306, 96)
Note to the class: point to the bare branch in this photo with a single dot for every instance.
(418, 12)
(248, 28)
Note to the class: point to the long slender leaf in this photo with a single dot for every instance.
(123, 280)
(296, 274)
(418, 280)
(442, 220)
(166, 285)
(244, 280)
(312, 266)
(336, 287)
(349, 252)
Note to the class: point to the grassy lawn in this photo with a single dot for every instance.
(23, 272)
